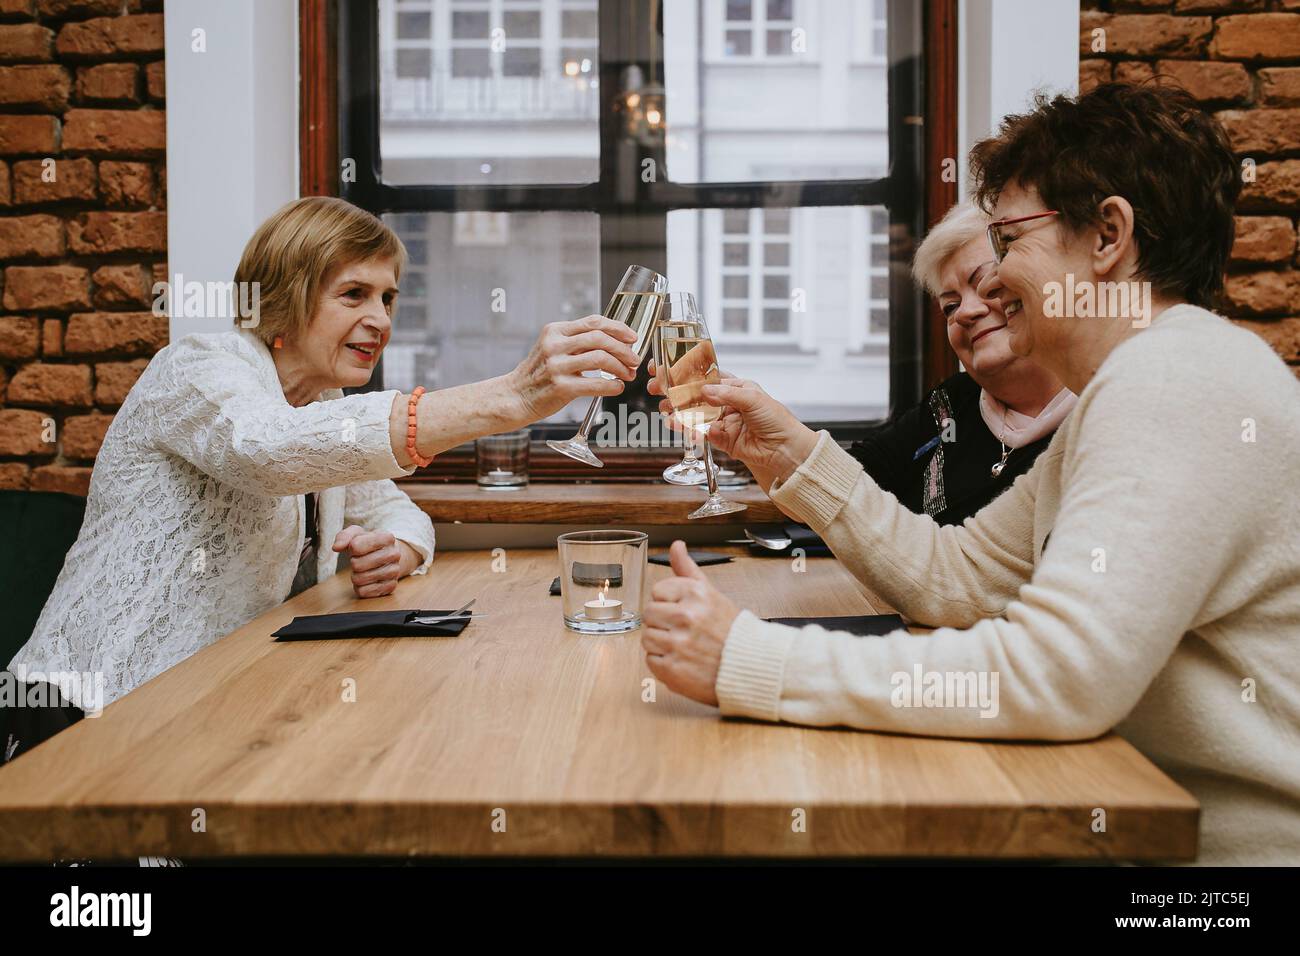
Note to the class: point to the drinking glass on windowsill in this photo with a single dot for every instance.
(685, 362)
(501, 461)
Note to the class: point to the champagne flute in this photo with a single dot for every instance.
(687, 362)
(690, 470)
(635, 303)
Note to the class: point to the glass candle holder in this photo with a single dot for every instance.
(502, 461)
(602, 579)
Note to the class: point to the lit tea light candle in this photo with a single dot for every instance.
(603, 608)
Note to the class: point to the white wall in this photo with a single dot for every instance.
(232, 133)
(1007, 49)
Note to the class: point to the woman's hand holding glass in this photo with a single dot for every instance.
(550, 375)
(753, 427)
(548, 378)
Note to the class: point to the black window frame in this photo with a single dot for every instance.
(901, 191)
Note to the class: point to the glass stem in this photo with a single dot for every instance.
(588, 420)
(708, 469)
(690, 455)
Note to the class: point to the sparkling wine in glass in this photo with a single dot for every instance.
(690, 470)
(687, 362)
(636, 303)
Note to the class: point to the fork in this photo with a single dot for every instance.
(447, 617)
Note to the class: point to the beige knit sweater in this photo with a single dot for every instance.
(1166, 603)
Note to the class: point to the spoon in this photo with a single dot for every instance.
(771, 542)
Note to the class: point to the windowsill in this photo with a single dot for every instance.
(607, 503)
(869, 350)
(785, 61)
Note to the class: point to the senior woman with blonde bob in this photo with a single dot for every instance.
(1144, 575)
(976, 432)
(236, 471)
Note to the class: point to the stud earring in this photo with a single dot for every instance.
(279, 342)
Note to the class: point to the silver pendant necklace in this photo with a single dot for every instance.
(1002, 440)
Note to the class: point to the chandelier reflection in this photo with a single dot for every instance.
(643, 108)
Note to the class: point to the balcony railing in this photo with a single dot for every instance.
(487, 98)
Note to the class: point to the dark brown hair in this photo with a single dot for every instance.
(1150, 144)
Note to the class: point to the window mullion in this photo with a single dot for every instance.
(756, 228)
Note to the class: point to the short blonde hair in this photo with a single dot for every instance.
(291, 253)
(962, 224)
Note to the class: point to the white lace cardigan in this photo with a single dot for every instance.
(195, 517)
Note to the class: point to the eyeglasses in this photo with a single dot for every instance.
(999, 241)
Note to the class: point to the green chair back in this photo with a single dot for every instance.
(40, 528)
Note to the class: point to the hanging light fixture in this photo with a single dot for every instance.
(644, 103)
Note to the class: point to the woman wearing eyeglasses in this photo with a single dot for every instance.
(1144, 575)
(979, 430)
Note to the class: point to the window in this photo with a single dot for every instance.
(878, 274)
(758, 28)
(578, 38)
(473, 292)
(523, 185)
(756, 301)
(870, 30)
(509, 84)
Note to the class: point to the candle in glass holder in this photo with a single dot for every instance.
(603, 608)
(502, 461)
(591, 564)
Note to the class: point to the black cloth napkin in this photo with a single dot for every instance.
(702, 558)
(864, 625)
(327, 627)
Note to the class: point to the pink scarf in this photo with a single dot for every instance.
(1016, 430)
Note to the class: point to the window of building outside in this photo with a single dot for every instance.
(498, 102)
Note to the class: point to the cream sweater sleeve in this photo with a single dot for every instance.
(929, 573)
(1154, 474)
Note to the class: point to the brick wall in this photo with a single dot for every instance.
(1240, 59)
(83, 226)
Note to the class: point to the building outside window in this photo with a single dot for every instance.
(513, 197)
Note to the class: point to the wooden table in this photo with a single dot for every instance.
(519, 723)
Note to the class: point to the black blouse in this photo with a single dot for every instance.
(306, 575)
(948, 480)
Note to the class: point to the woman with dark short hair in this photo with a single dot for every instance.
(1144, 576)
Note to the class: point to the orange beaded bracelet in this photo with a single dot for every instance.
(416, 457)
